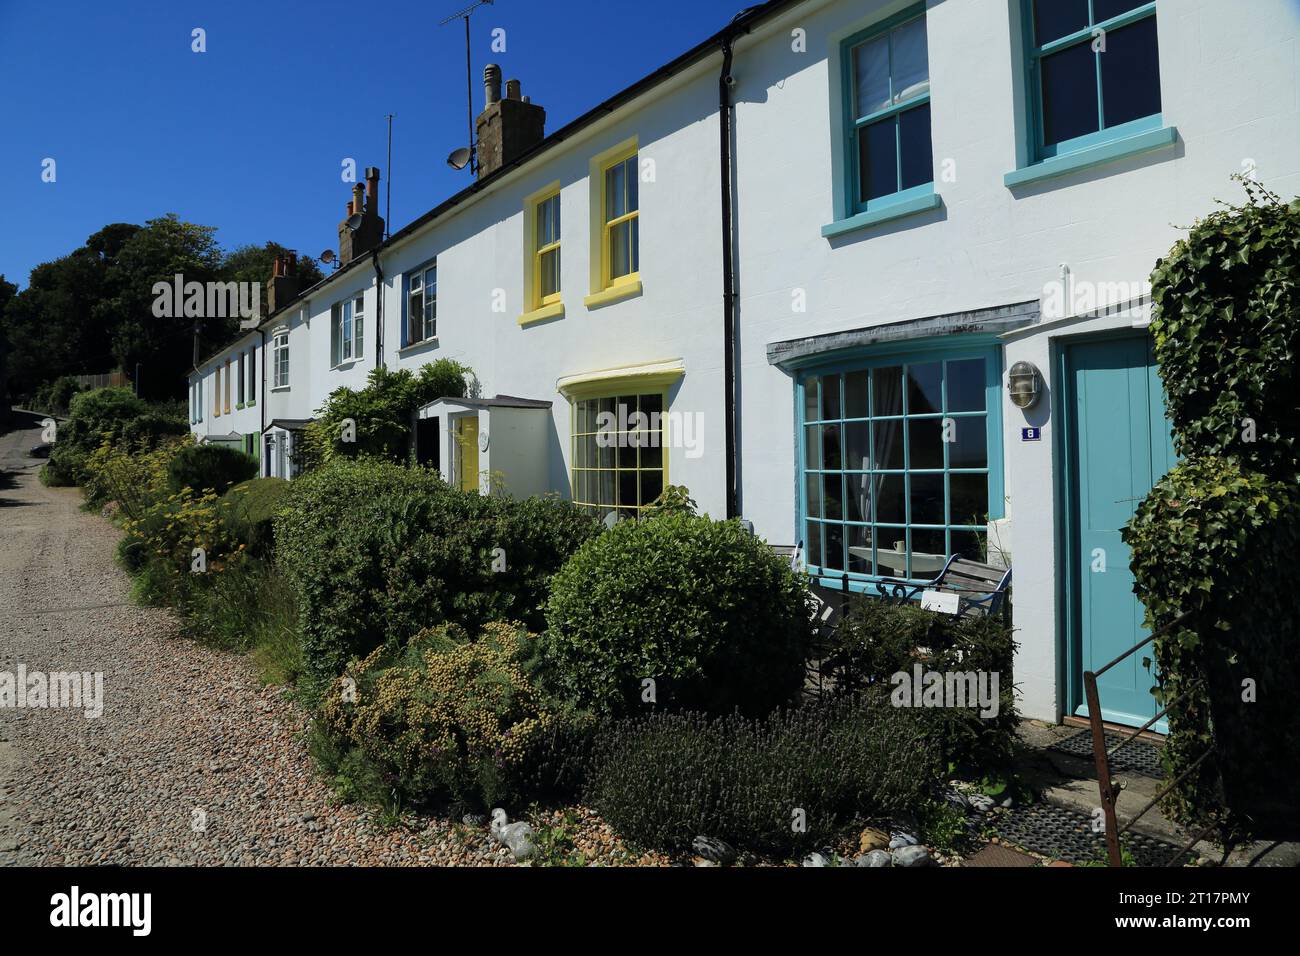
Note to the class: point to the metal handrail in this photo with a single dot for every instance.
(1103, 757)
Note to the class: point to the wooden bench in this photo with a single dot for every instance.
(978, 588)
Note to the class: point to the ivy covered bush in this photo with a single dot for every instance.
(664, 779)
(442, 719)
(1217, 537)
(702, 608)
(377, 552)
(877, 639)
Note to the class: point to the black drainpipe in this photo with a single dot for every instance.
(728, 274)
(379, 304)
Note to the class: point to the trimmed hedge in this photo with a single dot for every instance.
(377, 552)
(209, 468)
(663, 780)
(702, 607)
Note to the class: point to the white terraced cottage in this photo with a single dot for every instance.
(880, 267)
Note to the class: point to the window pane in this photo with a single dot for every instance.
(1069, 83)
(1103, 10)
(614, 199)
(927, 499)
(415, 318)
(605, 488)
(830, 397)
(830, 446)
(813, 544)
(891, 502)
(857, 437)
(834, 547)
(878, 160)
(814, 492)
(633, 185)
(652, 454)
(649, 404)
(929, 551)
(636, 244)
(619, 251)
(911, 62)
(970, 499)
(914, 146)
(891, 551)
(832, 497)
(887, 391)
(859, 550)
(971, 545)
(652, 486)
(627, 493)
(810, 400)
(1130, 73)
(857, 497)
(871, 75)
(550, 272)
(888, 454)
(812, 448)
(626, 451)
(966, 386)
(970, 447)
(855, 395)
(1054, 19)
(925, 442)
(924, 388)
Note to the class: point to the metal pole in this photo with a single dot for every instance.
(469, 99)
(388, 202)
(1103, 768)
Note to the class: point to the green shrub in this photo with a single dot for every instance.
(112, 415)
(54, 397)
(702, 607)
(240, 607)
(381, 413)
(660, 781)
(877, 639)
(1220, 542)
(443, 719)
(209, 468)
(248, 509)
(377, 552)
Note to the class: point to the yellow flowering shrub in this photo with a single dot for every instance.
(132, 476)
(445, 717)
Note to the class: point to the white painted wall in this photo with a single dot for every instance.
(1229, 75)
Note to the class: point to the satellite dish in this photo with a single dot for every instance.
(354, 221)
(460, 158)
(328, 257)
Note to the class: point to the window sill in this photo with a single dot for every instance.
(888, 213)
(617, 293)
(431, 343)
(251, 405)
(240, 407)
(345, 364)
(1082, 159)
(279, 388)
(553, 311)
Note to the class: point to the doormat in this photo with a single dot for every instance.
(1138, 756)
(1065, 834)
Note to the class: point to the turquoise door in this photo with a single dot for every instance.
(1119, 445)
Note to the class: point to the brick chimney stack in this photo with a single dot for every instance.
(370, 233)
(507, 128)
(284, 284)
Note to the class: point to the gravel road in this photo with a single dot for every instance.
(192, 760)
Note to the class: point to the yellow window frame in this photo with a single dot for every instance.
(536, 306)
(604, 287)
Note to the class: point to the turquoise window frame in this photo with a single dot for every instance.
(947, 350)
(914, 197)
(1039, 150)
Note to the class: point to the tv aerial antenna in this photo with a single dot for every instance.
(466, 156)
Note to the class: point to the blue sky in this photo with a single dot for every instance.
(249, 136)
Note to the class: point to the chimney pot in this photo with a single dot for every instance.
(492, 84)
(372, 188)
(513, 89)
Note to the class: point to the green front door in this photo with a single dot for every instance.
(1118, 446)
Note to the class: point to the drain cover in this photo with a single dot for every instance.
(1067, 835)
(1138, 756)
